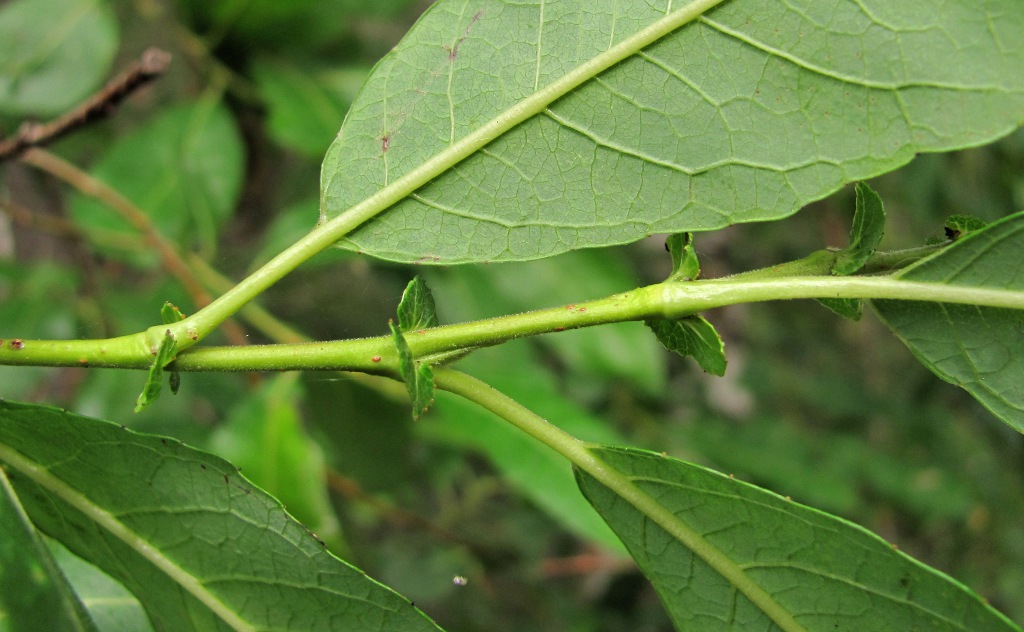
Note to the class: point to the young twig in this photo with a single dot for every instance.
(100, 105)
(170, 258)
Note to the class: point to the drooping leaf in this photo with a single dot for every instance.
(169, 313)
(34, 595)
(238, 561)
(519, 135)
(184, 170)
(977, 348)
(418, 376)
(165, 354)
(725, 555)
(54, 53)
(685, 264)
(264, 436)
(866, 234)
(694, 337)
(416, 309)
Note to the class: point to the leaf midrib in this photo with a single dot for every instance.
(518, 113)
(623, 485)
(108, 522)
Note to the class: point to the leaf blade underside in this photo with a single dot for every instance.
(977, 348)
(775, 565)
(746, 114)
(199, 545)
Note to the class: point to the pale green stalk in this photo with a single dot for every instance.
(377, 355)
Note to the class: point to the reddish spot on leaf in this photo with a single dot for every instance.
(375, 359)
(17, 344)
(453, 51)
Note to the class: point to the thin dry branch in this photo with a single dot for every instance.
(154, 62)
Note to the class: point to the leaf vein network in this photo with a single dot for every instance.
(838, 76)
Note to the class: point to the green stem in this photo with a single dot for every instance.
(259, 318)
(200, 324)
(377, 355)
(580, 455)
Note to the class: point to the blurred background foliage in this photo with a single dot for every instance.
(477, 525)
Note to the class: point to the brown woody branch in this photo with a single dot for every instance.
(154, 62)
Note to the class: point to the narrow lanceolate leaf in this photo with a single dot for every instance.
(34, 595)
(978, 348)
(418, 376)
(866, 234)
(694, 337)
(169, 313)
(154, 379)
(502, 131)
(234, 558)
(724, 555)
(264, 436)
(416, 309)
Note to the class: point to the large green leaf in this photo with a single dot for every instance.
(503, 130)
(265, 437)
(724, 555)
(978, 348)
(54, 53)
(199, 545)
